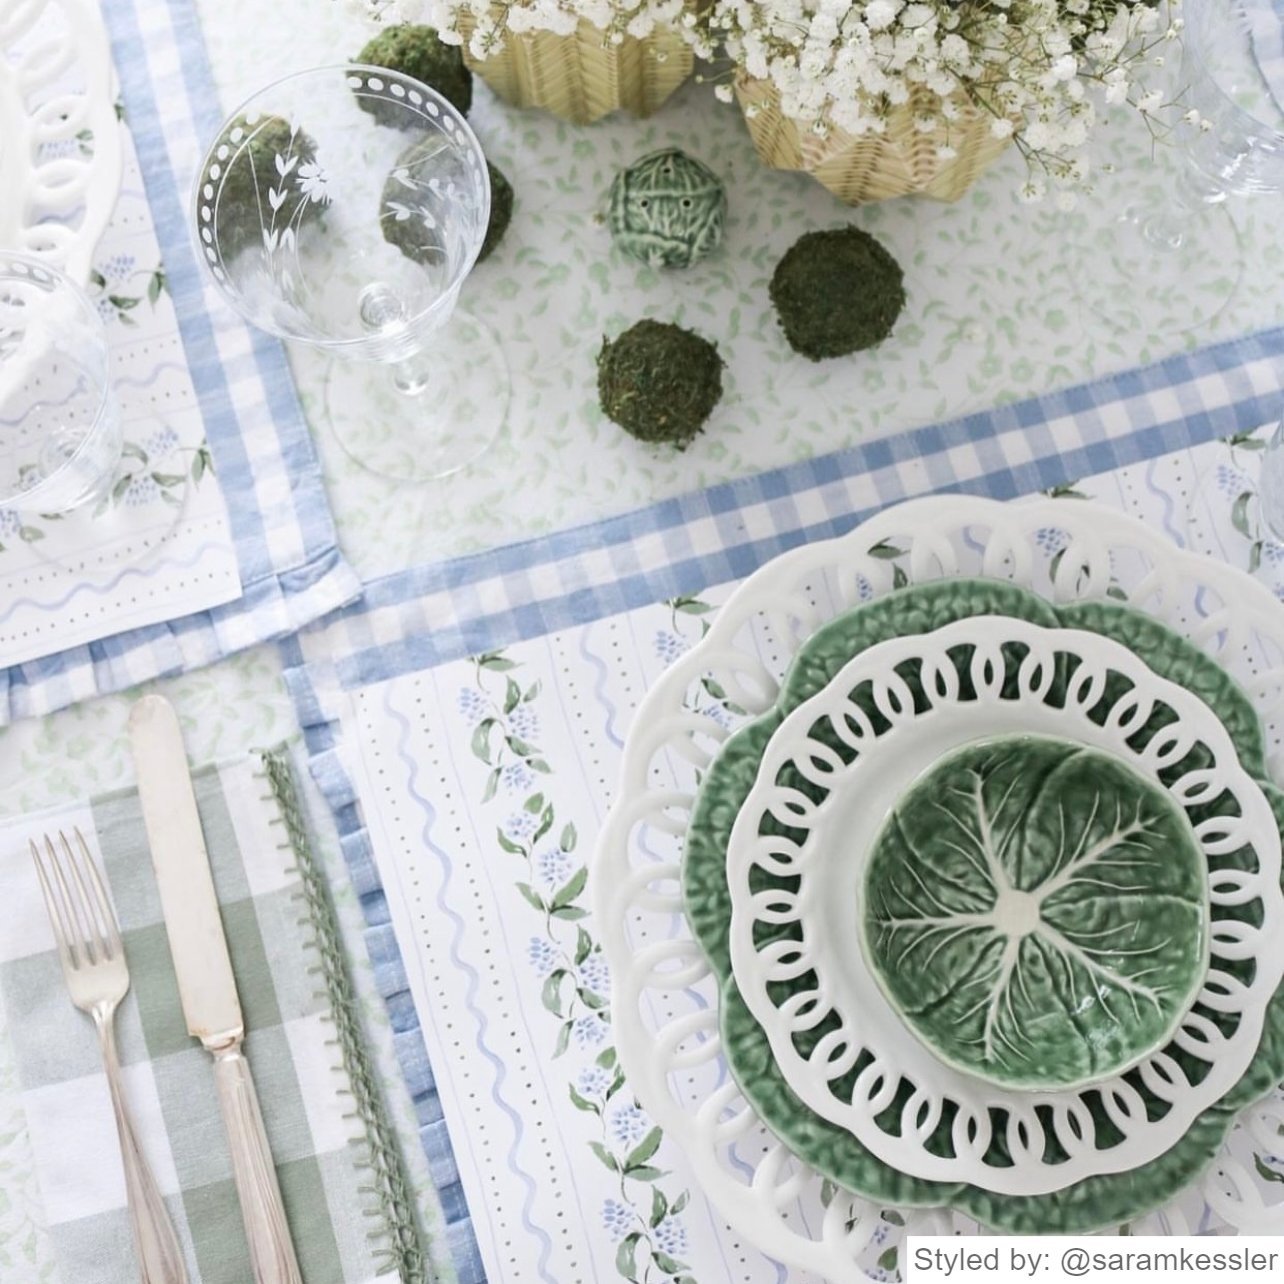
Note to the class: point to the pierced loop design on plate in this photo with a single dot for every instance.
(802, 839)
(766, 1192)
(60, 165)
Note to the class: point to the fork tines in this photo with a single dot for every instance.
(81, 914)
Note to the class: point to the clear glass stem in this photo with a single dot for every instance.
(413, 375)
(1271, 484)
(383, 310)
(435, 404)
(1168, 228)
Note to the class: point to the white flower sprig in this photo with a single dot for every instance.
(1036, 68)
(488, 24)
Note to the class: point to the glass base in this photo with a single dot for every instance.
(1118, 248)
(423, 436)
(126, 525)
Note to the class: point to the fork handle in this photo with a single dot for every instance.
(160, 1258)
(266, 1229)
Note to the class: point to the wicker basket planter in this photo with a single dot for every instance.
(581, 77)
(874, 167)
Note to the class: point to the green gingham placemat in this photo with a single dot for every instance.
(345, 1193)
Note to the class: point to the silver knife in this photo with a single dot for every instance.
(206, 984)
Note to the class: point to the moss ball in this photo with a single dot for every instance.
(501, 210)
(407, 197)
(241, 203)
(837, 292)
(667, 209)
(417, 52)
(659, 382)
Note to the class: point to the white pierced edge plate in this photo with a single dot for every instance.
(665, 999)
(824, 845)
(61, 158)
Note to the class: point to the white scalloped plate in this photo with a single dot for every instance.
(824, 845)
(665, 1000)
(60, 146)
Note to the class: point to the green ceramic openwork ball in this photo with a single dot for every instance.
(659, 382)
(667, 209)
(417, 52)
(837, 292)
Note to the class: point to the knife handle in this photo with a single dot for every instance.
(268, 1233)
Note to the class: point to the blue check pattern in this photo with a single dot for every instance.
(432, 614)
(290, 565)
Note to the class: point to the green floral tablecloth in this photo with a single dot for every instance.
(991, 317)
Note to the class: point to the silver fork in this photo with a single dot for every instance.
(93, 963)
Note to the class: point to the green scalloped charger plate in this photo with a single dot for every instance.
(1096, 1202)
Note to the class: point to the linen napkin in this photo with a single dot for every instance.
(346, 1199)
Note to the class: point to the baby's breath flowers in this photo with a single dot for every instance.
(1036, 68)
(489, 22)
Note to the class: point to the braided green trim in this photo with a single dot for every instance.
(404, 1249)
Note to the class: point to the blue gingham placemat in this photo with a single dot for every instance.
(429, 615)
(291, 568)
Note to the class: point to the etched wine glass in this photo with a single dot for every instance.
(1161, 223)
(343, 207)
(60, 428)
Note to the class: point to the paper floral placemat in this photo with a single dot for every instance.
(484, 783)
(158, 546)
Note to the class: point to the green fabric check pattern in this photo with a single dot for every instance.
(320, 1143)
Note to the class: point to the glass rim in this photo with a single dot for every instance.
(340, 68)
(1196, 15)
(23, 500)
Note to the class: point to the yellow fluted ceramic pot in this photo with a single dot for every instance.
(582, 77)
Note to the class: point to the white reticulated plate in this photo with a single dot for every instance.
(818, 851)
(665, 998)
(60, 146)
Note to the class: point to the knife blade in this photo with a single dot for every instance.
(206, 982)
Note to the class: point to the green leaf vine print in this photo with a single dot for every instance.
(642, 1214)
